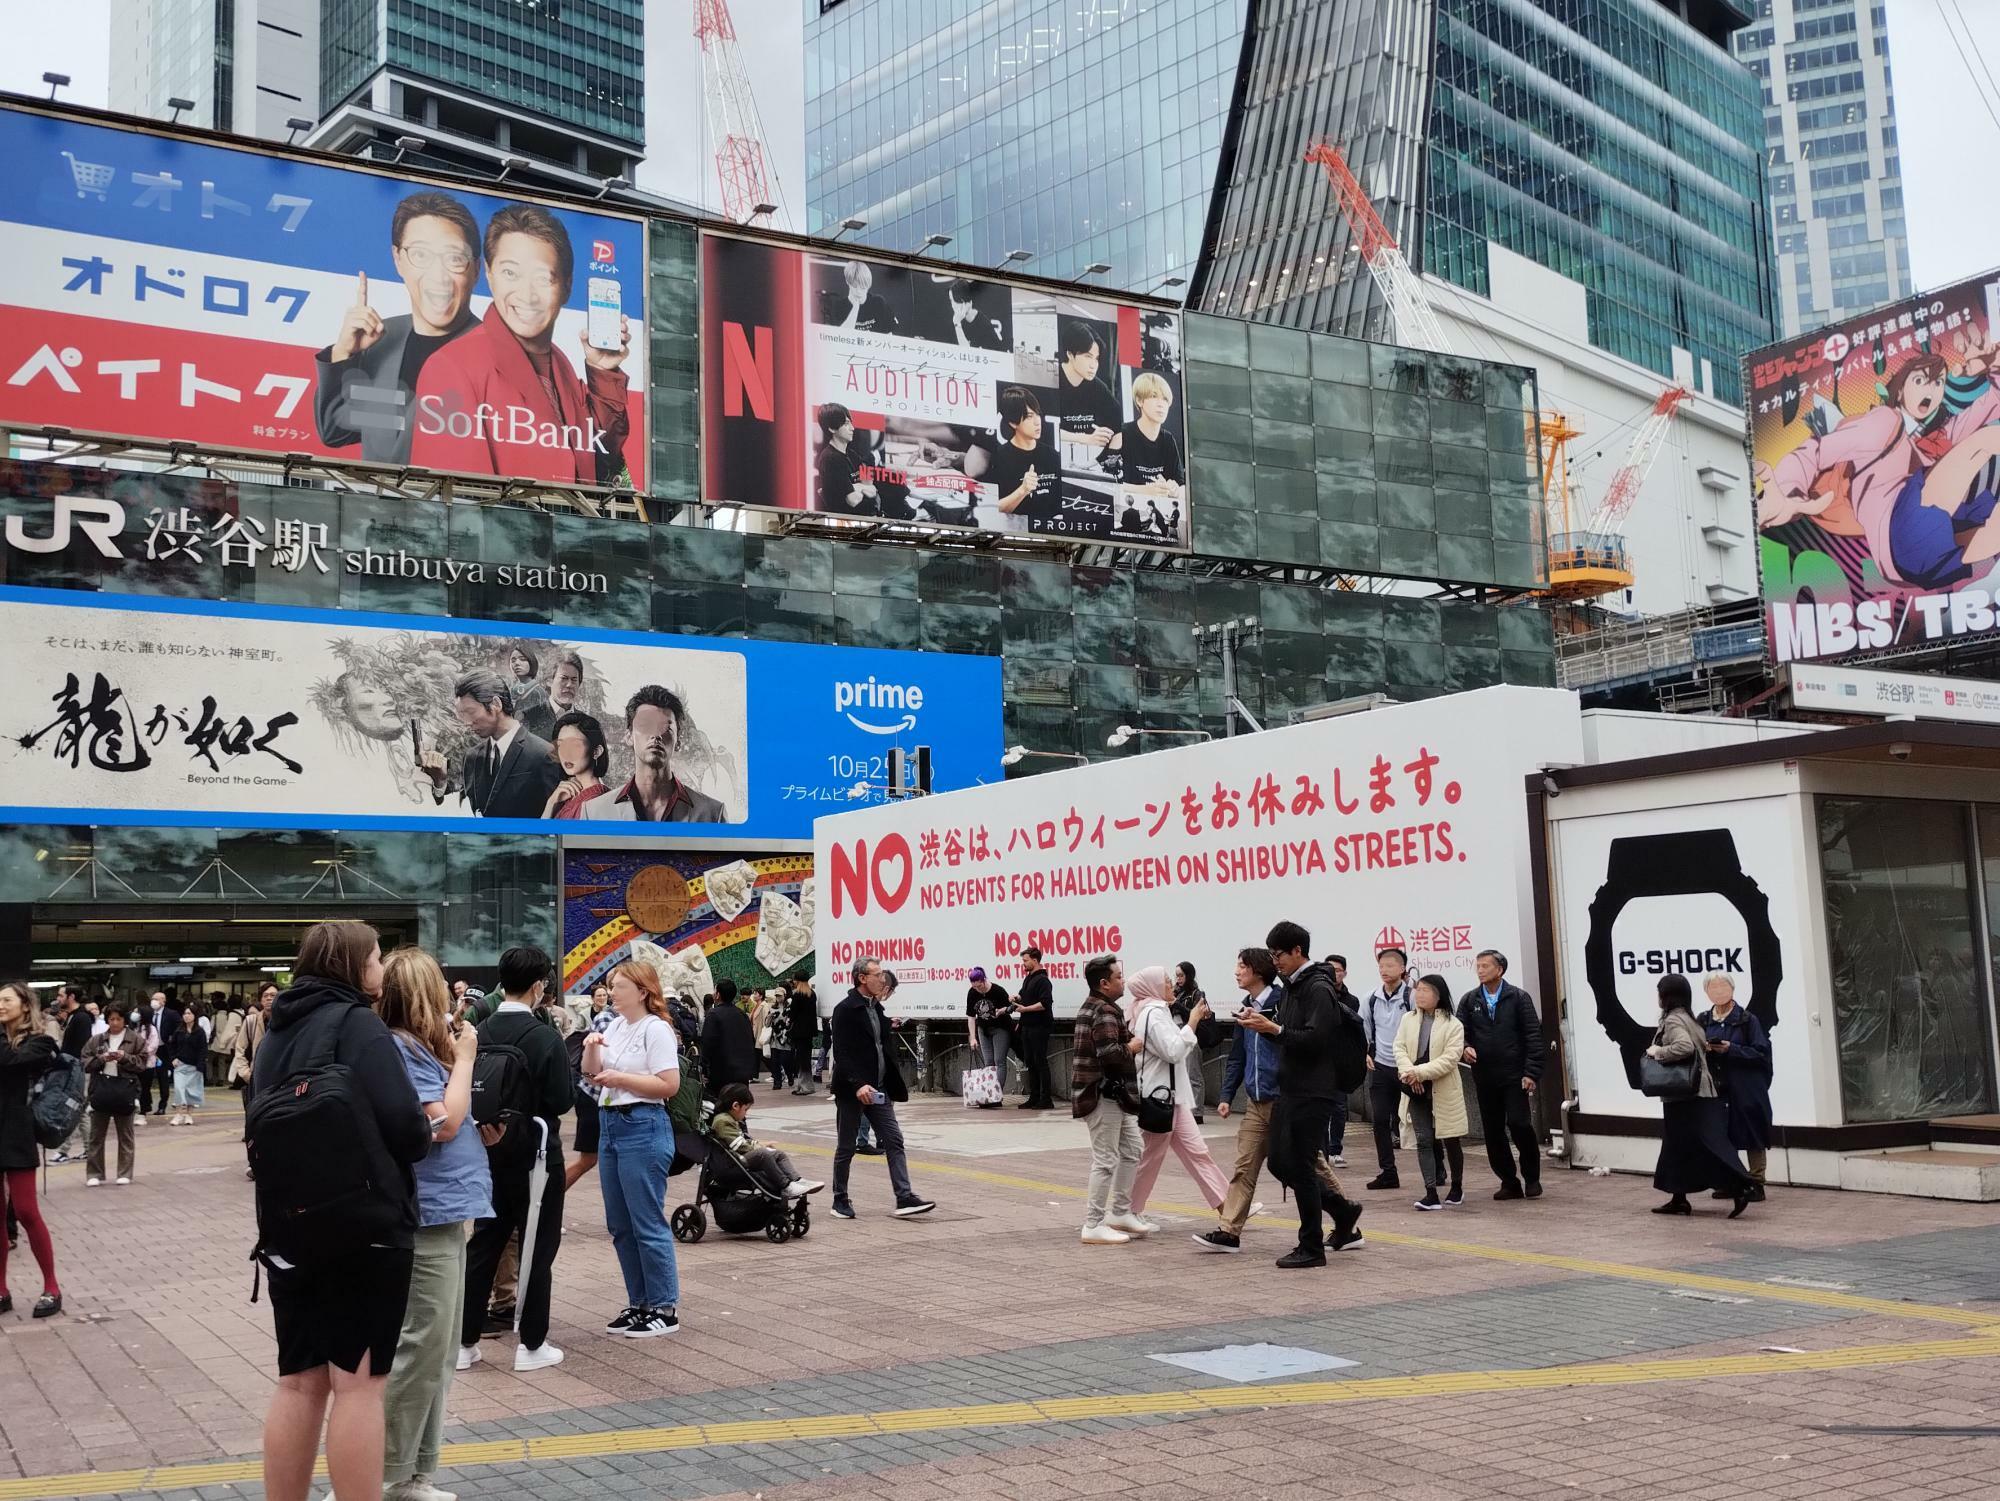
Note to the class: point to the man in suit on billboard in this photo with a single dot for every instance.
(509, 771)
(367, 377)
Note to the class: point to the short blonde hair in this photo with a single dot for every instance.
(1151, 384)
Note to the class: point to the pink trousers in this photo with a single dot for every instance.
(1185, 1139)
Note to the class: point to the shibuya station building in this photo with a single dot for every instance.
(499, 568)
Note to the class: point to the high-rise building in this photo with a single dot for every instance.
(559, 88)
(248, 66)
(1082, 134)
(1835, 170)
(1616, 143)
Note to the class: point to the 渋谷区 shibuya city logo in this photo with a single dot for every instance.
(890, 707)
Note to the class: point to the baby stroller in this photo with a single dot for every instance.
(742, 1205)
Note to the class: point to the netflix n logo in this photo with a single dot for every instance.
(758, 428)
(749, 372)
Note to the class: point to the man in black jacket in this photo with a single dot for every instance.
(524, 979)
(1307, 1082)
(1036, 1006)
(866, 1083)
(728, 1043)
(1503, 1043)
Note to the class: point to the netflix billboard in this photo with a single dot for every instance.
(167, 289)
(881, 391)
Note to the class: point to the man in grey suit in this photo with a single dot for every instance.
(509, 772)
(367, 377)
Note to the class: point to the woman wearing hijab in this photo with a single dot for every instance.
(1164, 1065)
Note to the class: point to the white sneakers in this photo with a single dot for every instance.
(93, 1182)
(539, 1358)
(1104, 1235)
(123, 1181)
(1131, 1224)
(798, 1188)
(543, 1355)
(416, 1488)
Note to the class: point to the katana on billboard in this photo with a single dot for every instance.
(173, 291)
(1874, 454)
(870, 389)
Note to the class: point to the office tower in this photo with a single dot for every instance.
(1835, 170)
(248, 66)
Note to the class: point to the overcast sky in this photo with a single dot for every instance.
(1947, 104)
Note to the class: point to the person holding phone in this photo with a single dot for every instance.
(1430, 1041)
(114, 1060)
(1164, 1064)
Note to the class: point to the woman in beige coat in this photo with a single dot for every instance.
(1429, 1043)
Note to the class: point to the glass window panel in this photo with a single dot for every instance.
(790, 615)
(1222, 388)
(1347, 407)
(1286, 397)
(1286, 350)
(1910, 1002)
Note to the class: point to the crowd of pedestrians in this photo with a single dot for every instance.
(405, 1134)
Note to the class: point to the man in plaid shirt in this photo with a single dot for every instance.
(1105, 1075)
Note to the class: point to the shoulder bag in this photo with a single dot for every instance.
(1679, 1080)
(1156, 1108)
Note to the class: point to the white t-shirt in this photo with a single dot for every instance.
(647, 1046)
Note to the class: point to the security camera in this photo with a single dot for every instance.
(1900, 750)
(1551, 786)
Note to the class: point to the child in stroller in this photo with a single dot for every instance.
(749, 1187)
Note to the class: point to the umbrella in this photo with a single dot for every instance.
(538, 1181)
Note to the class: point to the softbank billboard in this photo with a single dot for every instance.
(242, 299)
(1398, 826)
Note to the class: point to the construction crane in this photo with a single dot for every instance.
(735, 130)
(1582, 563)
(1587, 561)
(1415, 324)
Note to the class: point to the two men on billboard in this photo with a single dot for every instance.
(501, 399)
(367, 377)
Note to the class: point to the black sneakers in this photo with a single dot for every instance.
(1534, 1189)
(912, 1206)
(1219, 1240)
(843, 1209)
(1510, 1191)
(1299, 1256)
(1346, 1215)
(1385, 1180)
(871, 1149)
(625, 1321)
(1456, 1198)
(652, 1323)
(1430, 1200)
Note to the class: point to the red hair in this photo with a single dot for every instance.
(648, 980)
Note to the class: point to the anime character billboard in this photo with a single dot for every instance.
(1876, 468)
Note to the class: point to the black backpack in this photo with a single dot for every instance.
(326, 1184)
(503, 1093)
(56, 1101)
(1350, 1049)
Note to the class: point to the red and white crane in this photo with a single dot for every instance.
(1416, 325)
(743, 166)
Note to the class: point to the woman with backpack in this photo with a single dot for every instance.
(113, 1061)
(454, 1185)
(334, 1131)
(26, 1053)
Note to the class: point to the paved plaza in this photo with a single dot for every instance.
(1577, 1344)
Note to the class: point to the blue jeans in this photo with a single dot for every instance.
(634, 1150)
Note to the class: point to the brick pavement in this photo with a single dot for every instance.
(161, 1359)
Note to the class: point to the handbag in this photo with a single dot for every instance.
(1156, 1111)
(980, 1086)
(114, 1095)
(1670, 1081)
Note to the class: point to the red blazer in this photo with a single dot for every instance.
(481, 409)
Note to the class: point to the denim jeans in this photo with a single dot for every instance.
(634, 1150)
